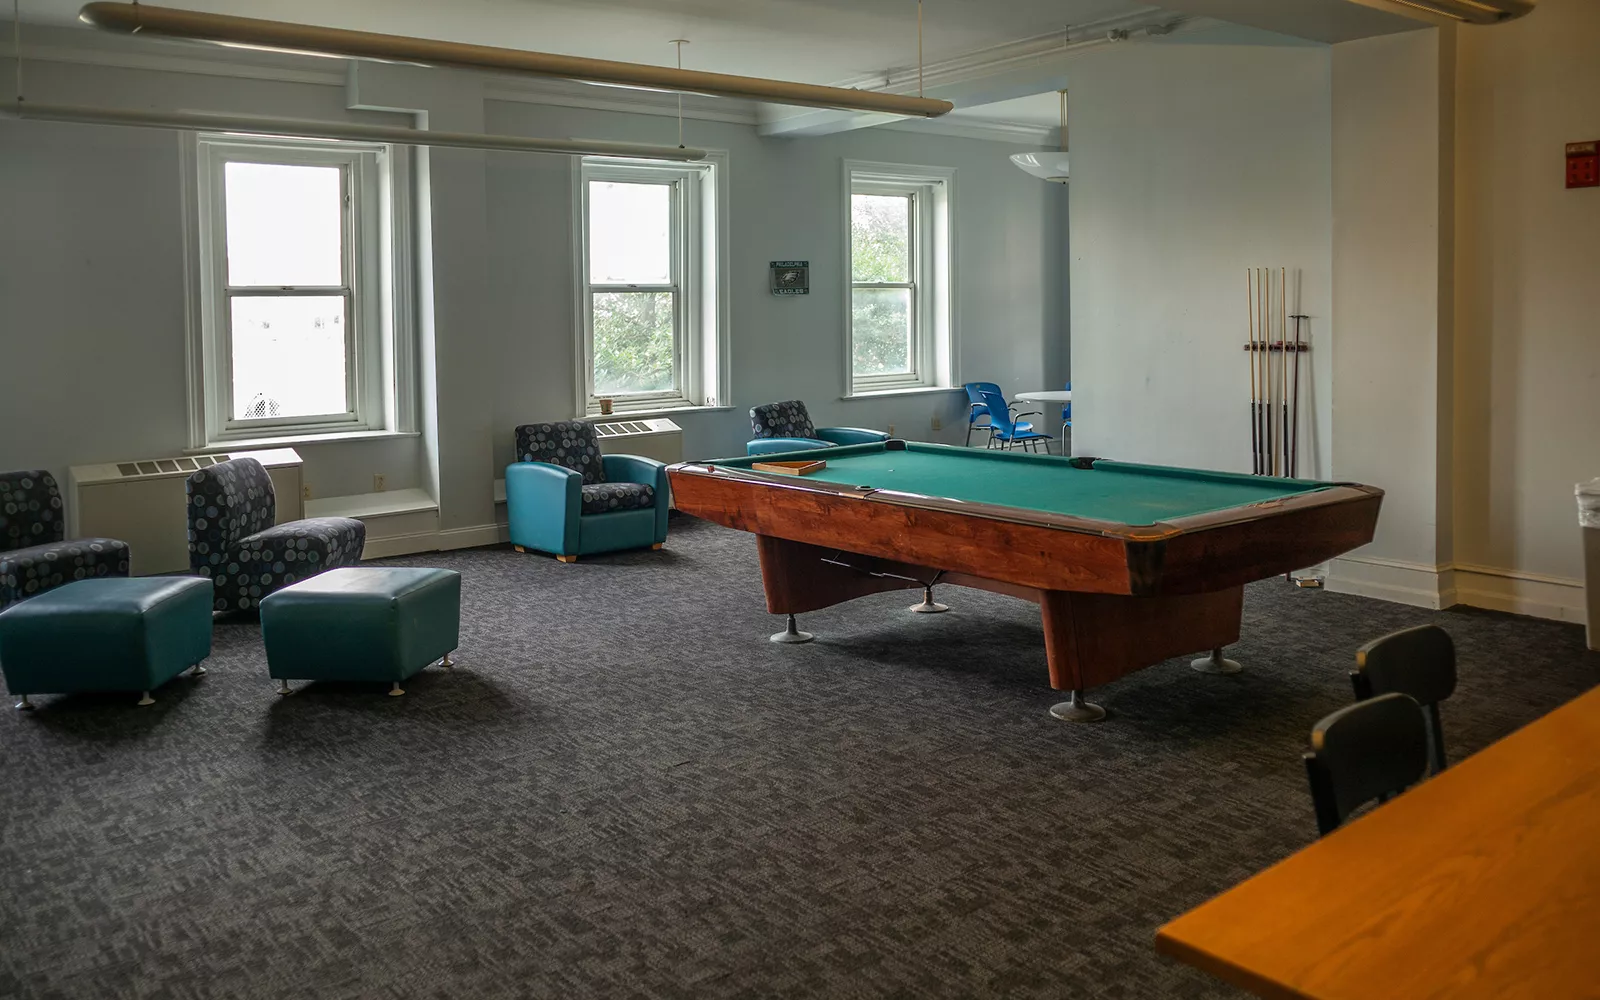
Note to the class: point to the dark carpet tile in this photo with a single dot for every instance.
(624, 790)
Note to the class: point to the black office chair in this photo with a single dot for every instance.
(1420, 662)
(1370, 750)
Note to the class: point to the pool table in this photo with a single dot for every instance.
(1129, 564)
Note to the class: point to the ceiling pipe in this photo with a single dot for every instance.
(198, 121)
(223, 29)
(1472, 11)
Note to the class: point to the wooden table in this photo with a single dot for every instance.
(1481, 882)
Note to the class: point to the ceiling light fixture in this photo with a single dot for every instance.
(1045, 165)
(199, 121)
(284, 36)
(1472, 11)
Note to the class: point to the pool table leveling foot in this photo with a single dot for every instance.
(929, 606)
(1216, 663)
(791, 634)
(1077, 710)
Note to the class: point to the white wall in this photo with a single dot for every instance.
(92, 280)
(1392, 267)
(1191, 162)
(92, 277)
(1528, 294)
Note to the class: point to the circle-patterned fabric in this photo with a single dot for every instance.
(786, 419)
(30, 510)
(233, 541)
(571, 444)
(31, 571)
(608, 498)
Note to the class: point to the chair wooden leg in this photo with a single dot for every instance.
(567, 559)
(519, 548)
(656, 547)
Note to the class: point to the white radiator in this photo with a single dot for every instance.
(660, 438)
(143, 502)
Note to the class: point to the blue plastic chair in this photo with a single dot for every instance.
(1066, 419)
(1007, 431)
(976, 408)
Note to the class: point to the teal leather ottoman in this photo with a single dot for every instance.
(362, 623)
(106, 635)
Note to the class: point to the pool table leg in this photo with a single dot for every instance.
(1093, 639)
(1061, 652)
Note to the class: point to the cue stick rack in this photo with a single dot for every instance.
(1274, 372)
(1275, 378)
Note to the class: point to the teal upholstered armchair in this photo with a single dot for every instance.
(564, 497)
(787, 427)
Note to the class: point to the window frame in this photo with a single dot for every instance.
(932, 250)
(697, 281)
(376, 281)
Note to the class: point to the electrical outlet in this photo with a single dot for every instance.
(937, 423)
(305, 492)
(380, 482)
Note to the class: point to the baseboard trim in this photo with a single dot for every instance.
(1519, 592)
(1416, 584)
(1538, 594)
(474, 536)
(400, 545)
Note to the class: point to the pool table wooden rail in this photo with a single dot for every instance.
(1035, 549)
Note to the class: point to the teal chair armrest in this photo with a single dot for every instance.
(543, 502)
(773, 446)
(638, 469)
(851, 435)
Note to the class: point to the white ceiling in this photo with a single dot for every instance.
(812, 41)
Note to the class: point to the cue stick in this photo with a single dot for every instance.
(1294, 457)
(1255, 428)
(1266, 357)
(1283, 366)
(1261, 373)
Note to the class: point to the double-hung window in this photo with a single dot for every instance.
(651, 303)
(296, 265)
(899, 312)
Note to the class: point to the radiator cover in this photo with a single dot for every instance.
(142, 502)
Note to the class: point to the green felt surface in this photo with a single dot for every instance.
(1111, 491)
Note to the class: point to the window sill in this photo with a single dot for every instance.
(288, 440)
(659, 411)
(919, 390)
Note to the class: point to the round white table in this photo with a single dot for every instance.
(1057, 396)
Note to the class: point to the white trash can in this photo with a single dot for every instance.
(1588, 495)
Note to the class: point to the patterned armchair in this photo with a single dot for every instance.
(787, 427)
(34, 553)
(233, 537)
(564, 497)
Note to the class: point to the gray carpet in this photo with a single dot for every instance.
(625, 791)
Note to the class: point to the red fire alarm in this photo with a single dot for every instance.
(1583, 164)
